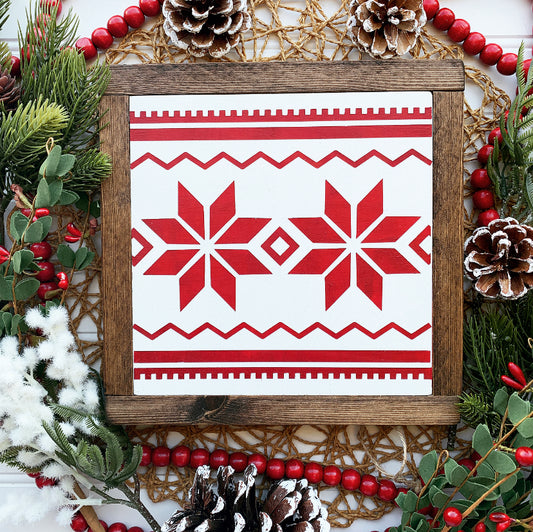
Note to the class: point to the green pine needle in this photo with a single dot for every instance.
(4, 11)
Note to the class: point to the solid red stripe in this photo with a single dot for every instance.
(271, 373)
(282, 133)
(291, 115)
(143, 357)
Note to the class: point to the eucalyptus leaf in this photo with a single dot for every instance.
(68, 197)
(22, 259)
(66, 256)
(66, 163)
(518, 408)
(55, 188)
(501, 398)
(46, 221)
(7, 318)
(482, 440)
(34, 232)
(427, 466)
(16, 322)
(437, 497)
(501, 462)
(526, 428)
(6, 291)
(49, 166)
(86, 261)
(26, 288)
(42, 199)
(455, 473)
(509, 484)
(17, 225)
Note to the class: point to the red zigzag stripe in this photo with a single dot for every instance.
(281, 326)
(281, 164)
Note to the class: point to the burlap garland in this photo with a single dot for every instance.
(283, 31)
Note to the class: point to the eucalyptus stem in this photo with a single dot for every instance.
(134, 497)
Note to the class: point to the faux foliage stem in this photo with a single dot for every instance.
(141, 508)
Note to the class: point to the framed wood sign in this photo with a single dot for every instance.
(282, 243)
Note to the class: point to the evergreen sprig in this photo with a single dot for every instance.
(4, 11)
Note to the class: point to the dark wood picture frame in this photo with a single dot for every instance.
(445, 79)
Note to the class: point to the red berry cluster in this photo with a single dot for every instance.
(274, 468)
(474, 43)
(79, 524)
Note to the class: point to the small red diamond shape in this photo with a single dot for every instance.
(280, 238)
(146, 247)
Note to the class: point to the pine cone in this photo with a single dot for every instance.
(385, 28)
(290, 506)
(205, 27)
(9, 93)
(500, 259)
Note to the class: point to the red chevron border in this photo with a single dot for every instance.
(354, 163)
(282, 372)
(282, 326)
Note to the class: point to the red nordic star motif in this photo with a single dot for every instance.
(211, 248)
(336, 247)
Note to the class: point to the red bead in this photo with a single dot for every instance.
(238, 461)
(459, 30)
(387, 490)
(146, 456)
(474, 43)
(452, 516)
(161, 456)
(78, 523)
(41, 250)
(467, 462)
(219, 457)
(496, 133)
(15, 66)
(444, 19)
(104, 526)
(507, 64)
(294, 469)
(480, 178)
(369, 485)
(275, 469)
(524, 456)
(150, 8)
(484, 153)
(134, 16)
(34, 475)
(49, 5)
(42, 482)
(351, 479)
(431, 7)
(135, 529)
(259, 461)
(199, 457)
(180, 456)
(102, 38)
(487, 216)
(117, 26)
(480, 527)
(483, 199)
(491, 54)
(86, 46)
(47, 272)
(117, 527)
(313, 472)
(332, 475)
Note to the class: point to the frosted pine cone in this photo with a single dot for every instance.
(500, 259)
(385, 28)
(205, 27)
(9, 93)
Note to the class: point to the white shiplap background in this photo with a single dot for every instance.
(507, 22)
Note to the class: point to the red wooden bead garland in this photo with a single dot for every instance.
(104, 526)
(102, 38)
(351, 479)
(332, 475)
(491, 54)
(474, 43)
(459, 30)
(507, 64)
(294, 469)
(218, 458)
(134, 16)
(161, 456)
(313, 472)
(369, 485)
(199, 457)
(117, 26)
(86, 46)
(180, 456)
(259, 461)
(150, 8)
(431, 7)
(443, 19)
(238, 461)
(275, 469)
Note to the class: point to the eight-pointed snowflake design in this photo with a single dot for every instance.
(209, 243)
(338, 246)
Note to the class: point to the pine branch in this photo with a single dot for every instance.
(4, 11)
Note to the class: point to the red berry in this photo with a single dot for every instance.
(498, 517)
(275, 469)
(487, 216)
(294, 469)
(483, 199)
(480, 178)
(369, 485)
(180, 456)
(41, 250)
(146, 456)
(491, 54)
(431, 7)
(134, 16)
(43, 211)
(135, 529)
(474, 43)
(467, 462)
(104, 526)
(15, 66)
(452, 516)
(313, 472)
(42, 482)
(199, 457)
(480, 527)
(475, 456)
(47, 272)
(150, 8)
(332, 475)
(34, 475)
(484, 153)
(117, 26)
(117, 527)
(43, 290)
(444, 19)
(504, 525)
(351, 479)
(517, 373)
(496, 134)
(507, 64)
(86, 46)
(102, 38)
(387, 490)
(49, 5)
(78, 523)
(459, 30)
(238, 461)
(259, 461)
(161, 456)
(219, 457)
(524, 456)
(42, 20)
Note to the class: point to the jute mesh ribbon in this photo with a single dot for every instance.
(297, 30)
